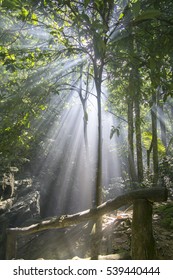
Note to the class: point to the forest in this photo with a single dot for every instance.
(86, 129)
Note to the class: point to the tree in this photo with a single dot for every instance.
(144, 17)
(95, 36)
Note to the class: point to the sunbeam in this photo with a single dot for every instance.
(67, 170)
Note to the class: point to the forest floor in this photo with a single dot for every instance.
(119, 228)
(75, 242)
(116, 239)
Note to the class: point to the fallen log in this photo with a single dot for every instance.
(153, 195)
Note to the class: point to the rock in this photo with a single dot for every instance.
(18, 211)
(5, 205)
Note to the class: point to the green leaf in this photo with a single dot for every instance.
(121, 16)
(34, 19)
(43, 107)
(45, 3)
(24, 12)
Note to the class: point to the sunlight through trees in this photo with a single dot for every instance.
(86, 99)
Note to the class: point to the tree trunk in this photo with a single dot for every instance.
(142, 237)
(154, 138)
(97, 227)
(83, 99)
(143, 244)
(98, 196)
(138, 140)
(85, 119)
(162, 125)
(148, 156)
(132, 171)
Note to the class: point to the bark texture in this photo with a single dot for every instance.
(143, 243)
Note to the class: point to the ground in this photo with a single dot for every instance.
(120, 226)
(75, 242)
(117, 233)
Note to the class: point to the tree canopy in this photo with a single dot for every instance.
(54, 47)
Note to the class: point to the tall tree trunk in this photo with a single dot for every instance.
(130, 114)
(99, 155)
(142, 235)
(148, 156)
(84, 98)
(137, 96)
(98, 71)
(154, 137)
(162, 125)
(138, 139)
(97, 227)
(131, 162)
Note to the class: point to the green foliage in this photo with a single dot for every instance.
(10, 4)
(148, 14)
(37, 36)
(147, 139)
(161, 147)
(136, 8)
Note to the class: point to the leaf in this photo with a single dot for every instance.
(43, 107)
(34, 19)
(121, 16)
(24, 12)
(45, 3)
